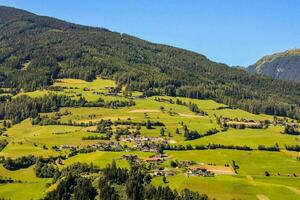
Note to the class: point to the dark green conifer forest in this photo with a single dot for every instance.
(36, 50)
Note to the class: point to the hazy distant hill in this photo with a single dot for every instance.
(35, 50)
(284, 65)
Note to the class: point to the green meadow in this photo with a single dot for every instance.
(101, 159)
(250, 137)
(250, 162)
(249, 183)
(230, 187)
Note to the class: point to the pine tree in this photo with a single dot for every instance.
(162, 132)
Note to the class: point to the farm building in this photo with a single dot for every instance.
(199, 171)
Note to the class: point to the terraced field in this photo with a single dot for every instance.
(249, 181)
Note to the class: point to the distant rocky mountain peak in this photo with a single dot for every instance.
(283, 65)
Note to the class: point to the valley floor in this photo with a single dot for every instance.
(238, 173)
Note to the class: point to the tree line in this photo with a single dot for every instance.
(193, 134)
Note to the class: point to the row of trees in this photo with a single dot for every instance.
(24, 106)
(270, 148)
(95, 137)
(193, 134)
(222, 146)
(292, 147)
(18, 163)
(189, 147)
(291, 130)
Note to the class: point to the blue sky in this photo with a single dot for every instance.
(235, 32)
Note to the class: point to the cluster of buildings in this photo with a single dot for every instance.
(65, 147)
(156, 158)
(143, 143)
(107, 146)
(162, 173)
(152, 161)
(199, 171)
(142, 139)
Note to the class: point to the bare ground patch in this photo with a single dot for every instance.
(217, 169)
(188, 115)
(262, 197)
(144, 111)
(220, 169)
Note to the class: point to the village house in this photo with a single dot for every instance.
(130, 157)
(109, 88)
(107, 146)
(162, 173)
(154, 160)
(186, 163)
(87, 89)
(98, 93)
(159, 155)
(137, 97)
(199, 171)
(149, 149)
(141, 140)
(65, 146)
(116, 146)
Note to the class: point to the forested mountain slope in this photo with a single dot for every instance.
(284, 65)
(35, 50)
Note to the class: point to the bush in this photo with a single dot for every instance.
(22, 162)
(267, 173)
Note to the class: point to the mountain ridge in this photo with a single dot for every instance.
(51, 48)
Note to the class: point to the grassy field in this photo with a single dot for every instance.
(30, 187)
(250, 162)
(25, 138)
(229, 187)
(250, 137)
(34, 94)
(101, 159)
